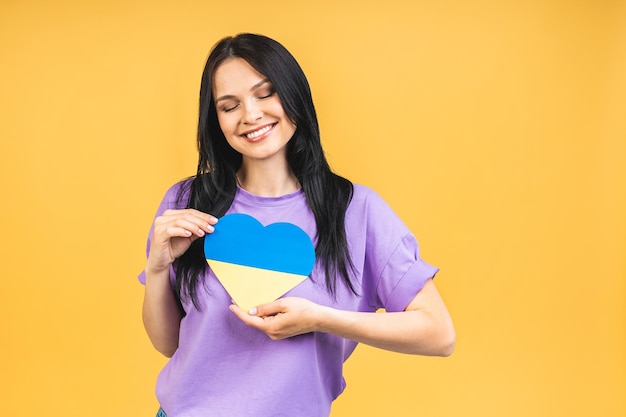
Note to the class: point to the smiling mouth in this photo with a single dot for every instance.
(259, 132)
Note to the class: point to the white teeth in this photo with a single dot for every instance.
(258, 133)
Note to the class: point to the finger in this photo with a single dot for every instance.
(185, 218)
(204, 217)
(191, 224)
(249, 320)
(268, 309)
(208, 218)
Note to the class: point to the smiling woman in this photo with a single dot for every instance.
(260, 155)
(252, 117)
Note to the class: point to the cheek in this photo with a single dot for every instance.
(277, 109)
(292, 129)
(226, 124)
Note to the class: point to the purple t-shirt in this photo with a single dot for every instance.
(224, 368)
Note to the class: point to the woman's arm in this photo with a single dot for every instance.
(173, 233)
(161, 312)
(424, 328)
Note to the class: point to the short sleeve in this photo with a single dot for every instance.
(393, 271)
(404, 275)
(173, 199)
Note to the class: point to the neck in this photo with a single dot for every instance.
(267, 180)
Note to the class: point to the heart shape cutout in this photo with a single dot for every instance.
(258, 264)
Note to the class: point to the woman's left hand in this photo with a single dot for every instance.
(283, 318)
(423, 328)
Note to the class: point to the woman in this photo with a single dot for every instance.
(260, 154)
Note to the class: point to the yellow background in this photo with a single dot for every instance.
(495, 129)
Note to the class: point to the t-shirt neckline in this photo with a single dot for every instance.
(254, 199)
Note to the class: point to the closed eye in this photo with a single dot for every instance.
(266, 93)
(229, 107)
(262, 90)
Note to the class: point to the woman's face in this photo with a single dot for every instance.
(250, 113)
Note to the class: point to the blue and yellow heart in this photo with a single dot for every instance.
(258, 264)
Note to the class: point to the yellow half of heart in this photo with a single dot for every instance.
(250, 287)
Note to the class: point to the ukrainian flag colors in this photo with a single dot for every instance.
(258, 264)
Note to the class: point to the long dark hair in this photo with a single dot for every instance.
(213, 188)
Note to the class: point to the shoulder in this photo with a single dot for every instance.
(365, 198)
(177, 195)
(362, 190)
(369, 210)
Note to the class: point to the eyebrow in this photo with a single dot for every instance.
(254, 87)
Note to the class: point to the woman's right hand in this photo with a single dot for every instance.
(174, 231)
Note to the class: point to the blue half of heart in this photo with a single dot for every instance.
(243, 240)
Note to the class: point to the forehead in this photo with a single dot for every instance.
(235, 75)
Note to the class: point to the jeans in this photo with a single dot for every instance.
(161, 413)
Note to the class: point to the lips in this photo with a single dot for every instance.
(259, 133)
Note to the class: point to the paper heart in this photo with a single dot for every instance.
(258, 264)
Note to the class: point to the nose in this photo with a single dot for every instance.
(252, 112)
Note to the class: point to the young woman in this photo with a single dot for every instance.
(260, 154)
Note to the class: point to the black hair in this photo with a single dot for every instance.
(213, 188)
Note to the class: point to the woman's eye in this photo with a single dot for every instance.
(266, 93)
(229, 107)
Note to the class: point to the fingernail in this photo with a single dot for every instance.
(252, 311)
